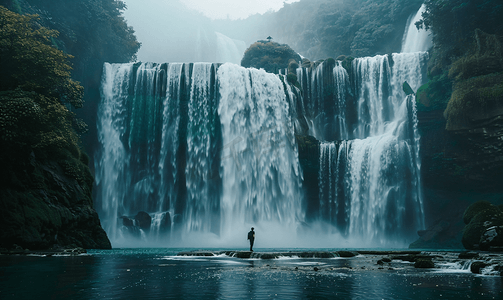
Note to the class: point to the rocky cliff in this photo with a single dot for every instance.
(461, 125)
(43, 207)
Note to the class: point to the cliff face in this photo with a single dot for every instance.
(461, 125)
(42, 207)
(45, 181)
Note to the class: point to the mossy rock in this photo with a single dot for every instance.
(485, 219)
(435, 94)
(474, 99)
(491, 238)
(270, 56)
(476, 208)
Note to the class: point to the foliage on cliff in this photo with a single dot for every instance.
(269, 56)
(325, 28)
(468, 56)
(453, 23)
(45, 183)
(91, 30)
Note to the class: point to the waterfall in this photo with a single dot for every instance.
(369, 181)
(325, 88)
(259, 160)
(201, 151)
(415, 40)
(229, 50)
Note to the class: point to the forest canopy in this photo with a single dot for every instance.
(35, 85)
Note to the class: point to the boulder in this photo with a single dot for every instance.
(492, 237)
(143, 220)
(424, 263)
(476, 266)
(481, 228)
(474, 209)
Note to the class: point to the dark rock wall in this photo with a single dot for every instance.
(41, 207)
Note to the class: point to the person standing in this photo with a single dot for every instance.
(251, 237)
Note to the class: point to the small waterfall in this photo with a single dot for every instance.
(415, 40)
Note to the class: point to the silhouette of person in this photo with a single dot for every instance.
(251, 237)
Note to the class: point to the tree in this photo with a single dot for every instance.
(31, 63)
(35, 84)
(269, 56)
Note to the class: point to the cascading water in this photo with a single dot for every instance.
(200, 151)
(369, 183)
(229, 50)
(261, 180)
(416, 40)
(191, 151)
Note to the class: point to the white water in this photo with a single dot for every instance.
(163, 152)
(415, 40)
(260, 168)
(370, 185)
(215, 151)
(229, 50)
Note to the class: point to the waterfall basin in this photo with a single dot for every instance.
(162, 273)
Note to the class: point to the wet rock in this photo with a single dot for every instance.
(424, 263)
(126, 221)
(346, 254)
(475, 209)
(468, 255)
(492, 237)
(386, 259)
(143, 220)
(476, 266)
(483, 227)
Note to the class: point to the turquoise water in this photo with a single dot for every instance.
(160, 274)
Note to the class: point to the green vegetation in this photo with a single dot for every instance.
(453, 23)
(270, 56)
(466, 66)
(326, 28)
(45, 183)
(35, 84)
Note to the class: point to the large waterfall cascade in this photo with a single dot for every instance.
(209, 150)
(202, 148)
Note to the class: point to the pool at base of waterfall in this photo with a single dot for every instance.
(148, 273)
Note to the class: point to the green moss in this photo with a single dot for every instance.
(473, 97)
(476, 208)
(269, 56)
(478, 225)
(435, 94)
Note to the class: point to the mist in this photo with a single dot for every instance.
(171, 32)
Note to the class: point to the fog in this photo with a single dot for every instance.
(269, 235)
(185, 30)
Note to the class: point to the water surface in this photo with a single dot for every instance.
(160, 274)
